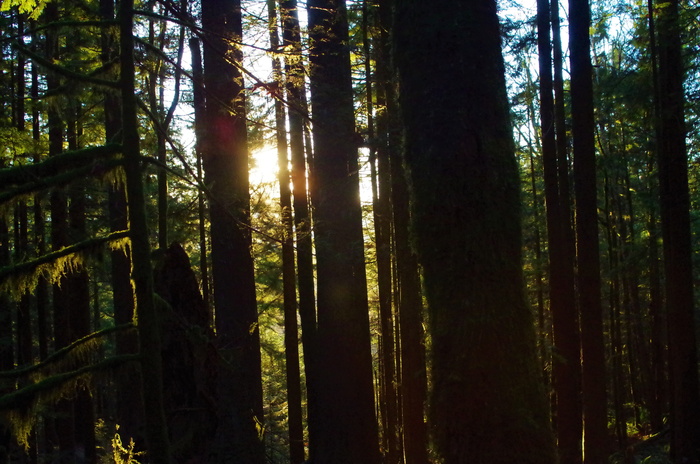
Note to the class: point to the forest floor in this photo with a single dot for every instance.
(645, 450)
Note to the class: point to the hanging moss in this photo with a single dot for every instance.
(21, 407)
(55, 362)
(19, 278)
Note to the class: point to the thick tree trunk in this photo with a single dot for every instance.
(347, 428)
(412, 382)
(488, 405)
(225, 160)
(675, 225)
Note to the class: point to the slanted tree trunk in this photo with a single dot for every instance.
(487, 404)
(199, 104)
(346, 424)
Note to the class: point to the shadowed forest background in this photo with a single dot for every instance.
(344, 232)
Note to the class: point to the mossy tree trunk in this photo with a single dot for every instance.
(141, 269)
(487, 404)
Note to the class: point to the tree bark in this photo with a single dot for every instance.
(347, 428)
(225, 161)
(487, 404)
(566, 364)
(291, 331)
(141, 269)
(297, 114)
(675, 226)
(596, 445)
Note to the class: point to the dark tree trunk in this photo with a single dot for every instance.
(297, 115)
(596, 445)
(129, 405)
(381, 207)
(225, 159)
(199, 104)
(466, 218)
(63, 423)
(141, 270)
(291, 330)
(347, 428)
(566, 367)
(78, 300)
(412, 383)
(675, 225)
(188, 361)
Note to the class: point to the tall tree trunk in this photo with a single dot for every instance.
(675, 225)
(381, 207)
(199, 104)
(78, 297)
(59, 216)
(659, 353)
(596, 445)
(141, 270)
(297, 115)
(225, 159)
(291, 331)
(566, 365)
(129, 407)
(409, 298)
(488, 405)
(347, 429)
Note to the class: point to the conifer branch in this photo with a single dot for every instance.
(80, 77)
(58, 163)
(63, 352)
(19, 277)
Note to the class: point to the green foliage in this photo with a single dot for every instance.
(32, 7)
(124, 454)
(58, 377)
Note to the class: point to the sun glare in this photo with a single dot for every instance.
(265, 166)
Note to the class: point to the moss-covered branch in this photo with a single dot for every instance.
(21, 406)
(96, 169)
(63, 352)
(64, 162)
(17, 278)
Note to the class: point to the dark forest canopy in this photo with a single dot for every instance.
(335, 232)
